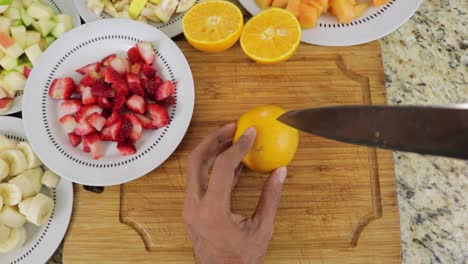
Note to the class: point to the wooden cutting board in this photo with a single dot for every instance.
(338, 205)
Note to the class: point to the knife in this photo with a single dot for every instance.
(441, 131)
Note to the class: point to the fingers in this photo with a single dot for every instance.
(237, 174)
(269, 199)
(222, 178)
(204, 155)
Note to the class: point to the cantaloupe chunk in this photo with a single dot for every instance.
(343, 10)
(324, 4)
(5, 40)
(263, 3)
(279, 3)
(294, 7)
(308, 16)
(380, 2)
(315, 4)
(359, 9)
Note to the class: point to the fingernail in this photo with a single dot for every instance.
(251, 131)
(231, 125)
(282, 172)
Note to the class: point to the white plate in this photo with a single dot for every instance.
(374, 24)
(172, 28)
(41, 242)
(86, 44)
(60, 7)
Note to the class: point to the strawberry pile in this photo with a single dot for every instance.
(115, 100)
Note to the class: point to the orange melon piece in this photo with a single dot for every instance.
(294, 7)
(263, 3)
(279, 3)
(5, 40)
(359, 9)
(324, 4)
(315, 4)
(308, 16)
(380, 2)
(343, 10)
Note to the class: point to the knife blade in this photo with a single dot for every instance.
(441, 131)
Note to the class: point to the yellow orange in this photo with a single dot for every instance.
(275, 144)
(213, 26)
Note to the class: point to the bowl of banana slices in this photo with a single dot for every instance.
(35, 203)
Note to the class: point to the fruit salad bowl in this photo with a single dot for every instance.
(113, 162)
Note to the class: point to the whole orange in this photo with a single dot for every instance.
(275, 144)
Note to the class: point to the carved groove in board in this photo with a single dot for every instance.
(376, 212)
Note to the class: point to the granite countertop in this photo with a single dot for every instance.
(426, 62)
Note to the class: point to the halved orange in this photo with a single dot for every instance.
(271, 36)
(213, 26)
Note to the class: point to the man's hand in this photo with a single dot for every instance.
(218, 235)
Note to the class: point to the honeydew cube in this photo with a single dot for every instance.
(32, 37)
(3, 8)
(49, 40)
(5, 24)
(64, 19)
(33, 53)
(17, 4)
(18, 33)
(27, 20)
(12, 13)
(8, 63)
(14, 51)
(10, 92)
(40, 11)
(44, 26)
(15, 81)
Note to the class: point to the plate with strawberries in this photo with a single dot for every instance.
(111, 101)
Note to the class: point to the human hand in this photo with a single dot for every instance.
(218, 235)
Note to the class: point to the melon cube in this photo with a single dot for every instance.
(18, 33)
(39, 11)
(33, 53)
(14, 51)
(32, 37)
(3, 8)
(8, 63)
(294, 7)
(44, 26)
(12, 13)
(27, 20)
(5, 24)
(14, 81)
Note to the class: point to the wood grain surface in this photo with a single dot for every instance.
(339, 201)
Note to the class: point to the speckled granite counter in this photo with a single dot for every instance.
(426, 62)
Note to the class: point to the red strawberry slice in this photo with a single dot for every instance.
(113, 118)
(136, 88)
(168, 102)
(86, 111)
(107, 59)
(126, 148)
(151, 89)
(79, 88)
(102, 89)
(118, 101)
(111, 133)
(70, 106)
(136, 68)
(111, 76)
(133, 55)
(92, 143)
(124, 132)
(5, 102)
(146, 51)
(92, 67)
(120, 65)
(97, 121)
(68, 122)
(62, 88)
(90, 78)
(104, 103)
(149, 71)
(132, 78)
(87, 97)
(83, 128)
(146, 122)
(158, 80)
(136, 104)
(159, 115)
(74, 139)
(26, 71)
(165, 90)
(135, 132)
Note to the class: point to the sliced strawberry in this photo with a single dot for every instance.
(68, 122)
(86, 143)
(83, 128)
(107, 59)
(159, 115)
(111, 133)
(165, 90)
(86, 111)
(95, 146)
(70, 106)
(113, 118)
(158, 80)
(120, 65)
(121, 89)
(149, 71)
(135, 132)
(92, 67)
(104, 103)
(97, 121)
(136, 68)
(132, 78)
(111, 76)
(134, 56)
(26, 71)
(90, 78)
(87, 97)
(74, 139)
(136, 104)
(146, 122)
(126, 148)
(151, 89)
(136, 88)
(146, 51)
(62, 88)
(102, 90)
(5, 102)
(79, 88)
(118, 101)
(167, 102)
(124, 132)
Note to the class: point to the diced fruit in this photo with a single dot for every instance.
(146, 122)
(149, 71)
(86, 111)
(33, 53)
(12, 13)
(278, 3)
(125, 130)
(83, 128)
(359, 9)
(135, 8)
(44, 26)
(32, 38)
(93, 142)
(71, 106)
(136, 68)
(93, 67)
(14, 81)
(107, 59)
(137, 129)
(146, 51)
(102, 90)
(18, 33)
(136, 104)
(343, 10)
(167, 102)
(118, 101)
(68, 122)
(136, 88)
(104, 103)
(97, 121)
(14, 51)
(26, 71)
(5, 105)
(113, 118)
(184, 5)
(5, 40)
(126, 148)
(97, 6)
(165, 90)
(90, 78)
(50, 179)
(87, 97)
(62, 88)
(134, 55)
(8, 63)
(39, 11)
(27, 20)
(111, 133)
(5, 24)
(380, 2)
(120, 65)
(166, 9)
(3, 94)
(263, 3)
(159, 115)
(308, 16)
(3, 8)
(74, 139)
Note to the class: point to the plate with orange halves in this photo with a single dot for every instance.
(342, 22)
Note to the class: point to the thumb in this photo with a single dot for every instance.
(270, 198)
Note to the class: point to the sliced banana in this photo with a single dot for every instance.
(4, 169)
(4, 233)
(31, 157)
(16, 161)
(29, 182)
(40, 209)
(15, 240)
(1, 202)
(9, 216)
(10, 193)
(50, 179)
(6, 143)
(24, 206)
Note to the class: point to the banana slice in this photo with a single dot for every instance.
(4, 233)
(29, 182)
(1, 202)
(24, 206)
(4, 169)
(9, 216)
(31, 157)
(50, 179)
(40, 209)
(6, 143)
(16, 161)
(15, 240)
(10, 193)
